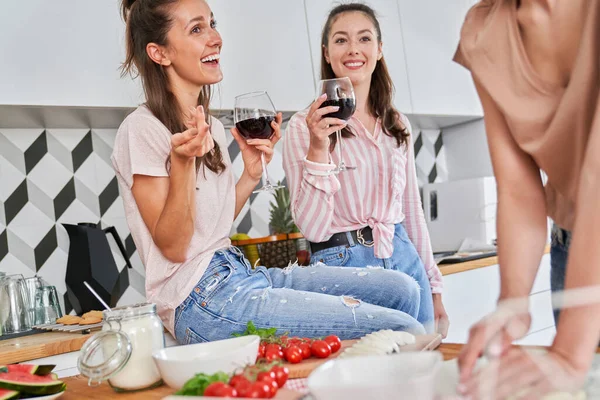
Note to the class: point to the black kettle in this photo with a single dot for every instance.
(91, 260)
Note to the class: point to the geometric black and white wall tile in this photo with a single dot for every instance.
(54, 176)
(430, 157)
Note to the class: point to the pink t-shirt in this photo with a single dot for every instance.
(142, 147)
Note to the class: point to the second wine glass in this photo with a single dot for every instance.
(340, 93)
(253, 115)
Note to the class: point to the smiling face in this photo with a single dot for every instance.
(353, 47)
(193, 47)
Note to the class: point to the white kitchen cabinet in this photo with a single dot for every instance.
(393, 51)
(64, 53)
(431, 31)
(468, 297)
(265, 47)
(471, 295)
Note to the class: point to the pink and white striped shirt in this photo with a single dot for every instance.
(380, 193)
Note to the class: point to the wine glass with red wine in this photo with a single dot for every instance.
(253, 115)
(340, 92)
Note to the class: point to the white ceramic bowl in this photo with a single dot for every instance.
(409, 375)
(179, 363)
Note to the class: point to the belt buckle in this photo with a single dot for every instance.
(362, 240)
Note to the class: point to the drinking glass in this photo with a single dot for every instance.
(340, 93)
(253, 115)
(14, 315)
(47, 307)
(31, 286)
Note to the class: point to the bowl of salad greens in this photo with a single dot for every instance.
(180, 363)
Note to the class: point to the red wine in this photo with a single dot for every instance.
(256, 128)
(347, 108)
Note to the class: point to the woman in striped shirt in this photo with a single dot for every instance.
(371, 215)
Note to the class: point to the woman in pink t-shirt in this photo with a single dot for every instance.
(181, 199)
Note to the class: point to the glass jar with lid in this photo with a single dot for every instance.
(122, 352)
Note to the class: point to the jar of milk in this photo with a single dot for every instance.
(122, 352)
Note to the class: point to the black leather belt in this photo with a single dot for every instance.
(362, 236)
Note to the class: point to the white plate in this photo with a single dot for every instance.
(447, 378)
(50, 396)
(377, 377)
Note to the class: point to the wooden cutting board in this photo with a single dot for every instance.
(303, 369)
(40, 345)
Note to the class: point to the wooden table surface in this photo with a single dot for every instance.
(77, 387)
(40, 345)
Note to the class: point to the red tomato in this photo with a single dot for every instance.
(220, 389)
(293, 354)
(238, 380)
(261, 350)
(320, 349)
(273, 346)
(266, 374)
(305, 349)
(274, 388)
(244, 388)
(273, 352)
(259, 390)
(334, 342)
(281, 374)
(269, 379)
(273, 355)
(284, 340)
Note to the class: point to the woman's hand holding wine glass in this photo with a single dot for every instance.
(334, 107)
(251, 149)
(320, 127)
(257, 129)
(197, 140)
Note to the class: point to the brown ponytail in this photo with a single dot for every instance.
(148, 21)
(381, 92)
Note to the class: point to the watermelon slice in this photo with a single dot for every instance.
(8, 394)
(30, 384)
(28, 368)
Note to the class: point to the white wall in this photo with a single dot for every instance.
(265, 47)
(467, 153)
(431, 32)
(63, 52)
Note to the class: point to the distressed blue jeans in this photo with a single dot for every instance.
(310, 301)
(404, 259)
(559, 254)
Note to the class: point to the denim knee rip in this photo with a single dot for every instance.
(560, 237)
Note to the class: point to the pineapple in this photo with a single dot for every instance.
(280, 253)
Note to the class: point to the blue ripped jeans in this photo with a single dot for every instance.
(304, 301)
(559, 254)
(404, 259)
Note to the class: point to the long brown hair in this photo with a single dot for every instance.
(381, 92)
(148, 21)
